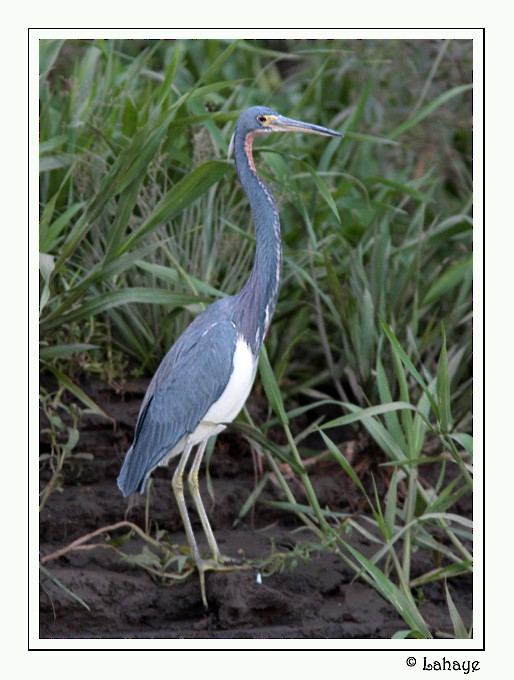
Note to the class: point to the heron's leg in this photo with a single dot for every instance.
(178, 490)
(194, 488)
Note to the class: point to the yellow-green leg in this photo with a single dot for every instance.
(218, 562)
(194, 488)
(178, 490)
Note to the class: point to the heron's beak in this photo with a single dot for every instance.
(282, 124)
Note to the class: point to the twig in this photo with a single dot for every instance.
(79, 542)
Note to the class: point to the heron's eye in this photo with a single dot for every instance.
(261, 119)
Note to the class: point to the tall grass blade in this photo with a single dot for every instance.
(77, 391)
(409, 365)
(443, 389)
(64, 588)
(122, 297)
(403, 605)
(271, 387)
(178, 198)
(428, 109)
(458, 626)
(451, 277)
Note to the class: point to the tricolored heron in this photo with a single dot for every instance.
(205, 378)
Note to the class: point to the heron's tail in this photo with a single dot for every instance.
(132, 478)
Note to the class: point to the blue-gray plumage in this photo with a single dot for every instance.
(205, 378)
(191, 377)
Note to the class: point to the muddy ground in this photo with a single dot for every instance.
(315, 596)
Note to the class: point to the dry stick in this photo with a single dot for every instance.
(79, 542)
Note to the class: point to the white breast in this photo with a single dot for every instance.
(233, 398)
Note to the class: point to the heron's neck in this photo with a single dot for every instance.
(257, 299)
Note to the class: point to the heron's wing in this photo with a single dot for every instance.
(191, 377)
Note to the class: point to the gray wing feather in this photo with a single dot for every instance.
(191, 377)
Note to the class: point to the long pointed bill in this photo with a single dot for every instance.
(282, 124)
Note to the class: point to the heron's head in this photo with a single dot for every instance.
(259, 120)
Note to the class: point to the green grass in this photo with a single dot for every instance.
(143, 224)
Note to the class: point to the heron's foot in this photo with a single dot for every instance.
(220, 563)
(223, 563)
